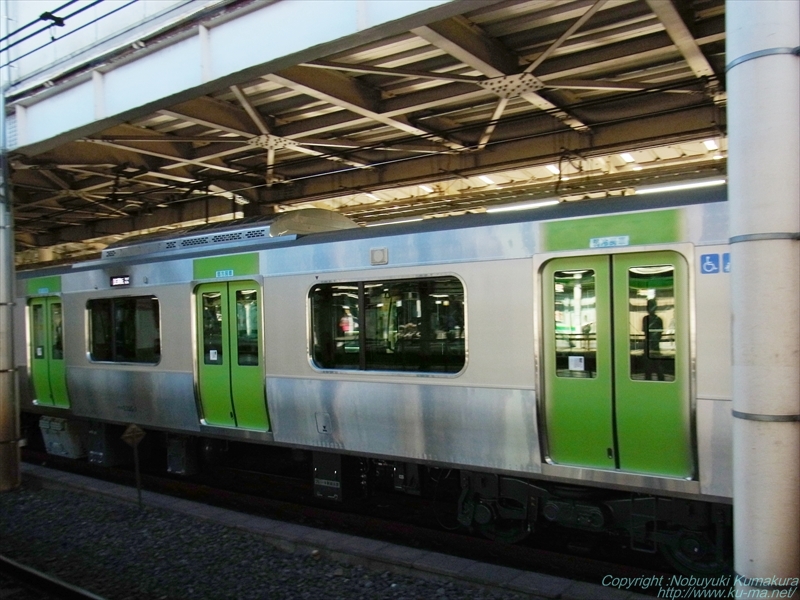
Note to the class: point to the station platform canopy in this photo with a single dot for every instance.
(192, 112)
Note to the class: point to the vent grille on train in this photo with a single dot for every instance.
(226, 237)
(155, 247)
(194, 242)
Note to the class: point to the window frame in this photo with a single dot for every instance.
(361, 367)
(589, 337)
(112, 300)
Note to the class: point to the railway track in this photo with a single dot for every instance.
(22, 582)
(406, 521)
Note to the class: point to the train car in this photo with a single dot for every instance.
(570, 365)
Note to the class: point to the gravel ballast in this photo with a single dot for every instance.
(122, 552)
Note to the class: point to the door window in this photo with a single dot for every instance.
(39, 329)
(651, 319)
(212, 328)
(57, 331)
(575, 321)
(247, 326)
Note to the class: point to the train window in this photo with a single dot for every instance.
(408, 325)
(212, 328)
(38, 330)
(335, 326)
(57, 331)
(651, 318)
(247, 326)
(575, 324)
(124, 330)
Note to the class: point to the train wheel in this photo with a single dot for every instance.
(693, 553)
(509, 531)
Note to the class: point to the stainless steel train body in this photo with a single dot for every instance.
(489, 415)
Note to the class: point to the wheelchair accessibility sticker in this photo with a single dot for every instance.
(710, 263)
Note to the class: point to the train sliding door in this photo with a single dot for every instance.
(230, 355)
(48, 371)
(616, 363)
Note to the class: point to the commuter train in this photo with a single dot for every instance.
(568, 365)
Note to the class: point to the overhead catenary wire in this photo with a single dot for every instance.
(32, 23)
(92, 22)
(47, 27)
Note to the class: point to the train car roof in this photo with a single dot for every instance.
(670, 197)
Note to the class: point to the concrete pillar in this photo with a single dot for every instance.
(763, 85)
(9, 411)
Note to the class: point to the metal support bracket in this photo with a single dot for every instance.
(271, 142)
(760, 54)
(757, 237)
(512, 86)
(765, 418)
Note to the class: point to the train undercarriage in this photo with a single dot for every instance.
(693, 536)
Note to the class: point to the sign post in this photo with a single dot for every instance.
(132, 436)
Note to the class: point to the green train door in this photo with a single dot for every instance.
(48, 370)
(616, 363)
(230, 355)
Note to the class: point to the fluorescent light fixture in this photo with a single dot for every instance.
(373, 196)
(711, 145)
(486, 179)
(637, 168)
(525, 206)
(426, 189)
(553, 169)
(717, 157)
(627, 157)
(394, 222)
(681, 186)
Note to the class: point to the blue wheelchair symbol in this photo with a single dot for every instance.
(709, 264)
(726, 262)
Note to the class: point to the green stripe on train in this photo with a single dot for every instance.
(224, 267)
(40, 286)
(630, 229)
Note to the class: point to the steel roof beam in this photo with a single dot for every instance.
(273, 142)
(343, 92)
(202, 59)
(180, 213)
(682, 38)
(465, 42)
(694, 124)
(565, 36)
(176, 159)
(469, 45)
(399, 72)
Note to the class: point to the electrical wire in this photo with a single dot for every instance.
(32, 23)
(48, 27)
(77, 29)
